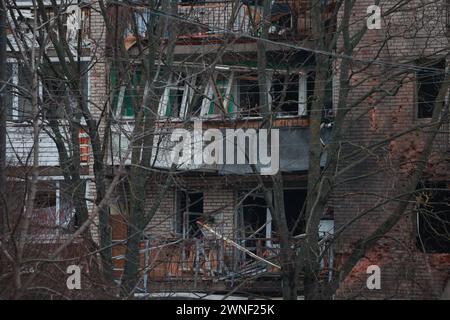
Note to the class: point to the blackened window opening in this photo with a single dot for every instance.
(190, 210)
(254, 222)
(433, 220)
(286, 102)
(428, 85)
(249, 96)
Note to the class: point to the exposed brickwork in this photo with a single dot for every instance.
(406, 272)
(218, 202)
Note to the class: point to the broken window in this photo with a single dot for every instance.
(219, 96)
(248, 91)
(255, 222)
(53, 211)
(175, 96)
(125, 94)
(280, 18)
(289, 94)
(256, 219)
(19, 91)
(326, 231)
(197, 96)
(293, 94)
(72, 18)
(175, 101)
(189, 211)
(141, 17)
(44, 211)
(188, 95)
(21, 20)
(60, 99)
(433, 217)
(429, 82)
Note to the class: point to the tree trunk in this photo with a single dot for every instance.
(3, 113)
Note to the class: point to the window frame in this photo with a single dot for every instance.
(118, 106)
(417, 89)
(209, 95)
(230, 99)
(141, 17)
(238, 95)
(174, 85)
(56, 184)
(302, 96)
(15, 82)
(268, 225)
(15, 63)
(14, 97)
(83, 60)
(182, 217)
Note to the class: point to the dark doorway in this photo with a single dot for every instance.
(254, 222)
(190, 210)
(294, 200)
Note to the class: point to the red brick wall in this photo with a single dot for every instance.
(405, 272)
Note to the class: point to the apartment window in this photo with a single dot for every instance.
(141, 18)
(248, 92)
(197, 96)
(54, 90)
(176, 94)
(53, 211)
(126, 94)
(281, 18)
(59, 98)
(433, 217)
(428, 84)
(189, 211)
(219, 97)
(18, 90)
(255, 222)
(22, 22)
(289, 94)
(73, 18)
(175, 101)
(293, 94)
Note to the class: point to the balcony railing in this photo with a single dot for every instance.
(288, 18)
(199, 261)
(209, 19)
(217, 17)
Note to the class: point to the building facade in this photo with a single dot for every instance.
(211, 228)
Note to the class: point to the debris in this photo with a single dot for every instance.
(237, 246)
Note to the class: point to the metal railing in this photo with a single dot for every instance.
(207, 18)
(197, 261)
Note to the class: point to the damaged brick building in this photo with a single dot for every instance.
(211, 228)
